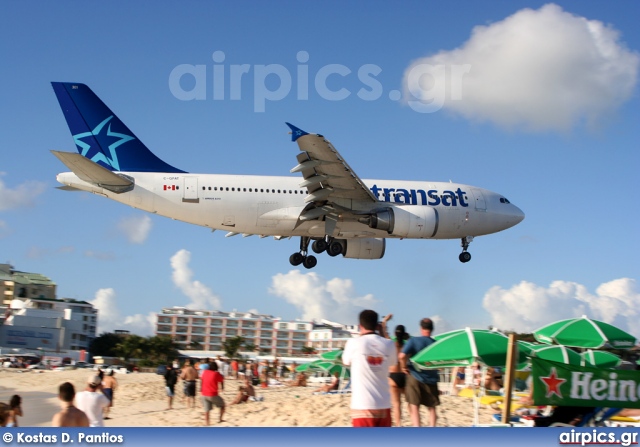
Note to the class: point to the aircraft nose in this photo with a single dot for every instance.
(517, 214)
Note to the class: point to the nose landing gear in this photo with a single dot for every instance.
(465, 256)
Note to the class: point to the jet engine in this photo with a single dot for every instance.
(409, 221)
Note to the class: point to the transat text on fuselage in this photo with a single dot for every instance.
(431, 197)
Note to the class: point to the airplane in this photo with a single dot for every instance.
(329, 207)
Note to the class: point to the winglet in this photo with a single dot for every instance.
(296, 132)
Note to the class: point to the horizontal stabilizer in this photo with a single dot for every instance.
(67, 188)
(95, 174)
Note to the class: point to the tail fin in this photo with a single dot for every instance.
(100, 135)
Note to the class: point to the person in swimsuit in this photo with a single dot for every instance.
(15, 410)
(189, 375)
(69, 416)
(109, 385)
(333, 386)
(396, 377)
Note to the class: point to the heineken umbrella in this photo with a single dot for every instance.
(334, 356)
(326, 366)
(584, 333)
(556, 353)
(458, 331)
(465, 347)
(526, 347)
(600, 359)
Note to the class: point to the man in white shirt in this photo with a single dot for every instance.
(93, 402)
(369, 356)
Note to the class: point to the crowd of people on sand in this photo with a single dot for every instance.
(380, 375)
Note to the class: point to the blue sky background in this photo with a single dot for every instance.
(575, 253)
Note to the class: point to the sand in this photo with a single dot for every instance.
(140, 401)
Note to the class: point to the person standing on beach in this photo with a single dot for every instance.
(170, 380)
(397, 378)
(93, 402)
(109, 385)
(189, 375)
(69, 416)
(369, 356)
(211, 378)
(422, 385)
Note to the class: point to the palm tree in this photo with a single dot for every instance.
(194, 345)
(232, 345)
(308, 350)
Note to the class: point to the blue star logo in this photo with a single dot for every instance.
(95, 154)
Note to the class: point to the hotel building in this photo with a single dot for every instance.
(206, 330)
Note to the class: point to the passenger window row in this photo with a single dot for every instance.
(263, 190)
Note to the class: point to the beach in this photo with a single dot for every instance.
(140, 401)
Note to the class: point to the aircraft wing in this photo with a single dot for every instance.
(327, 176)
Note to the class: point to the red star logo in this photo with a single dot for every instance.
(553, 383)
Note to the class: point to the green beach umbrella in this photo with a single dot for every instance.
(556, 353)
(526, 347)
(463, 348)
(458, 331)
(326, 366)
(600, 359)
(334, 356)
(584, 333)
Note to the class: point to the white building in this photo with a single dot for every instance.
(49, 324)
(204, 330)
(330, 336)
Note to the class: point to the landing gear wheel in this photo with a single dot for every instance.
(465, 256)
(296, 259)
(310, 262)
(334, 249)
(319, 246)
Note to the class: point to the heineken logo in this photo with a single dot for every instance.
(585, 386)
(553, 384)
(568, 385)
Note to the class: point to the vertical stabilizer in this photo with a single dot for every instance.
(99, 134)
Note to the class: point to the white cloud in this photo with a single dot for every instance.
(526, 306)
(135, 228)
(21, 196)
(41, 252)
(317, 298)
(100, 255)
(536, 70)
(200, 295)
(110, 318)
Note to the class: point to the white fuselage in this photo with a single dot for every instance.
(270, 205)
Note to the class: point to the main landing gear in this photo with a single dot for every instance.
(329, 245)
(465, 256)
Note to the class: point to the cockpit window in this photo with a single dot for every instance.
(503, 200)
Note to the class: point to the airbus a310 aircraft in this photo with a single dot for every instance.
(329, 208)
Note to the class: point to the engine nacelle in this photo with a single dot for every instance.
(412, 221)
(365, 248)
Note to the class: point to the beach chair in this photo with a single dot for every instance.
(597, 418)
(345, 390)
(622, 421)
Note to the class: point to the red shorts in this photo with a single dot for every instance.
(371, 418)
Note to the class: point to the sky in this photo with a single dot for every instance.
(537, 101)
